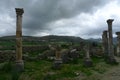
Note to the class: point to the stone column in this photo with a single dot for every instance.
(110, 42)
(105, 43)
(58, 60)
(118, 43)
(57, 54)
(19, 61)
(87, 59)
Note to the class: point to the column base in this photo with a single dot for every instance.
(87, 62)
(118, 54)
(57, 64)
(19, 66)
(111, 60)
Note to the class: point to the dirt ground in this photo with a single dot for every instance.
(113, 73)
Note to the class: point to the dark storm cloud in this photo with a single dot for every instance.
(38, 13)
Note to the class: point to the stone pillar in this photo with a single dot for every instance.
(110, 42)
(58, 60)
(19, 61)
(87, 59)
(118, 43)
(105, 43)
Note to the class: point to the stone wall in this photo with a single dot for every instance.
(34, 48)
(7, 55)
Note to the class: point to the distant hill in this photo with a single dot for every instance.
(100, 40)
(95, 40)
(55, 38)
(51, 38)
(62, 38)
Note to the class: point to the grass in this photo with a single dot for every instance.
(36, 70)
(5, 76)
(41, 70)
(7, 43)
(5, 71)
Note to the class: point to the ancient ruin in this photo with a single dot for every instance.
(58, 60)
(19, 61)
(118, 43)
(87, 59)
(110, 42)
(74, 56)
(105, 43)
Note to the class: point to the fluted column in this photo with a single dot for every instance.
(118, 43)
(105, 43)
(19, 61)
(110, 42)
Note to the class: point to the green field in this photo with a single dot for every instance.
(41, 70)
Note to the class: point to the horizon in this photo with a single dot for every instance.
(50, 35)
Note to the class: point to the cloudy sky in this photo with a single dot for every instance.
(82, 18)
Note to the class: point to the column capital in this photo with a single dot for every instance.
(105, 31)
(117, 33)
(110, 21)
(19, 11)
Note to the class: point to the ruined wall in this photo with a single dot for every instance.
(34, 48)
(7, 55)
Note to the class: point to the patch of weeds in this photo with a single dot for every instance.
(5, 76)
(2, 65)
(60, 75)
(7, 67)
(86, 71)
(52, 77)
(15, 75)
(100, 68)
(74, 61)
(82, 53)
(97, 60)
(5, 71)
(68, 73)
(35, 70)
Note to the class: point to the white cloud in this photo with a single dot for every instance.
(7, 25)
(88, 25)
(63, 19)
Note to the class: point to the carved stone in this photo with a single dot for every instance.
(111, 58)
(19, 61)
(118, 43)
(105, 43)
(87, 60)
(58, 61)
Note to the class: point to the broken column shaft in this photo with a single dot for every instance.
(87, 60)
(58, 60)
(118, 43)
(19, 61)
(105, 43)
